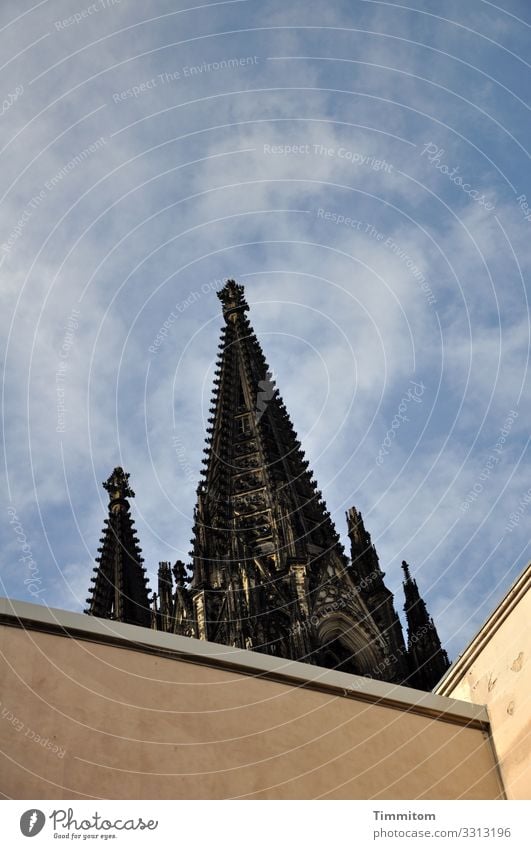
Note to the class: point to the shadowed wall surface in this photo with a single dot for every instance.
(98, 709)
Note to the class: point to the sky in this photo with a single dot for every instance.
(362, 168)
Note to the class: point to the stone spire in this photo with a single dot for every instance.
(269, 572)
(172, 609)
(427, 659)
(369, 579)
(119, 590)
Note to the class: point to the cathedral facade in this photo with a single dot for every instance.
(268, 572)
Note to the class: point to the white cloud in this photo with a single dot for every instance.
(166, 206)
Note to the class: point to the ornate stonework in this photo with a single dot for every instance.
(268, 572)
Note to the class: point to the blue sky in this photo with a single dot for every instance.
(362, 168)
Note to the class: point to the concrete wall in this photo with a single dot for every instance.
(496, 670)
(99, 709)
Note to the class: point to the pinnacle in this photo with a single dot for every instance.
(120, 561)
(117, 485)
(233, 299)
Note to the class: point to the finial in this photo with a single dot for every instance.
(117, 485)
(356, 528)
(405, 567)
(233, 299)
(353, 516)
(180, 573)
(164, 571)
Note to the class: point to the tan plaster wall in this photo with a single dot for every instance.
(134, 725)
(500, 677)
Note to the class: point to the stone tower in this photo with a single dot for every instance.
(119, 590)
(268, 571)
(427, 659)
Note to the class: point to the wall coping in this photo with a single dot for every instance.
(80, 626)
(459, 668)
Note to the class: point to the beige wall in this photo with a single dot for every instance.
(131, 724)
(496, 670)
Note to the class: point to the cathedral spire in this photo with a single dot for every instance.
(119, 590)
(268, 570)
(408, 581)
(427, 659)
(369, 580)
(233, 300)
(266, 555)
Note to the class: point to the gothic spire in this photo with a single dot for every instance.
(266, 555)
(369, 580)
(119, 590)
(268, 573)
(171, 606)
(427, 659)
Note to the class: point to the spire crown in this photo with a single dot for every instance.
(117, 485)
(353, 515)
(119, 591)
(356, 528)
(354, 520)
(407, 573)
(233, 299)
(266, 554)
(180, 572)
